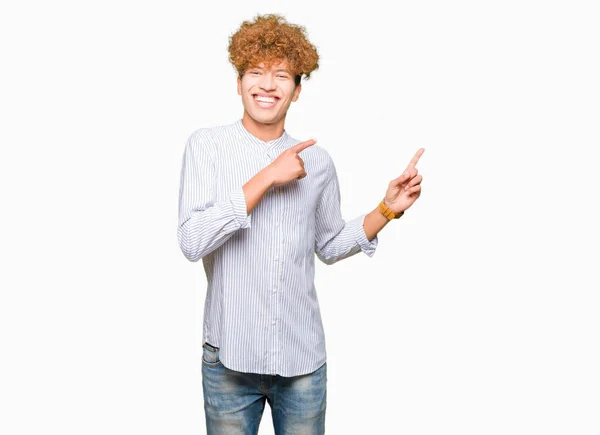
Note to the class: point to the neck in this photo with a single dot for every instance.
(264, 132)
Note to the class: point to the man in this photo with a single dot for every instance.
(257, 205)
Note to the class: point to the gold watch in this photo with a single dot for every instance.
(385, 210)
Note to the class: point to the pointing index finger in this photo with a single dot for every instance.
(415, 159)
(303, 145)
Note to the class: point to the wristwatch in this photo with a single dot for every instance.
(385, 210)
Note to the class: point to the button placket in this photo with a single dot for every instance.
(273, 336)
(280, 212)
(279, 277)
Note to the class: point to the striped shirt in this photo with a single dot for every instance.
(261, 306)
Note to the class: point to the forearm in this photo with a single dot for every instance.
(256, 187)
(203, 228)
(374, 222)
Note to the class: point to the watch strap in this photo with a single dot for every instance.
(385, 210)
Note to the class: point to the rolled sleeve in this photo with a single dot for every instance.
(368, 247)
(240, 208)
(336, 239)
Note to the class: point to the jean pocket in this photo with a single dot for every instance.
(210, 355)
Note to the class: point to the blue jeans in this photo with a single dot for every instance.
(234, 402)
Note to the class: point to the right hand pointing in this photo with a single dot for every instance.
(288, 166)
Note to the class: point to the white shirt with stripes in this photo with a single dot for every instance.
(261, 308)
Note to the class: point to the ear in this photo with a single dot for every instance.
(239, 86)
(297, 92)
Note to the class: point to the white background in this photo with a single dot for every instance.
(478, 313)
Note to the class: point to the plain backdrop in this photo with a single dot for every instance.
(478, 313)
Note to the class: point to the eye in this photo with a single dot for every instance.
(283, 76)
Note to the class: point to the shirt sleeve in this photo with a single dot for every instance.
(204, 224)
(336, 239)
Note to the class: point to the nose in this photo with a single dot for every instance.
(267, 82)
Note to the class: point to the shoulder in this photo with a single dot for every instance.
(206, 139)
(199, 137)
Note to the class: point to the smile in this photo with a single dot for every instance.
(264, 101)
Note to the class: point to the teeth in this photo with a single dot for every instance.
(265, 99)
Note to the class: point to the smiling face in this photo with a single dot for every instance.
(268, 93)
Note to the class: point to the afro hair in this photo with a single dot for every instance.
(270, 38)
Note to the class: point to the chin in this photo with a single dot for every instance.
(264, 119)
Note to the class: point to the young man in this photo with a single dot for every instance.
(257, 205)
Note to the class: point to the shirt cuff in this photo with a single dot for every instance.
(238, 201)
(361, 237)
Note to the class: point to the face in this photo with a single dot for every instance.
(267, 94)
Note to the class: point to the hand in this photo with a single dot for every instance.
(404, 190)
(288, 166)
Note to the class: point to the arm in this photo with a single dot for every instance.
(374, 222)
(336, 239)
(204, 224)
(256, 187)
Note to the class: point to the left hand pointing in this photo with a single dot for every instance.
(404, 190)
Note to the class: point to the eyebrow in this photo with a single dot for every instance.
(277, 70)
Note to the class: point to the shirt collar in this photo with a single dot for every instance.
(275, 143)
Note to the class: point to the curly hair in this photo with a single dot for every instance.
(270, 38)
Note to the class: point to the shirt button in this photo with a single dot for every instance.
(273, 322)
(274, 290)
(276, 224)
(276, 257)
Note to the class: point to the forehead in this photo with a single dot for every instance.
(275, 65)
